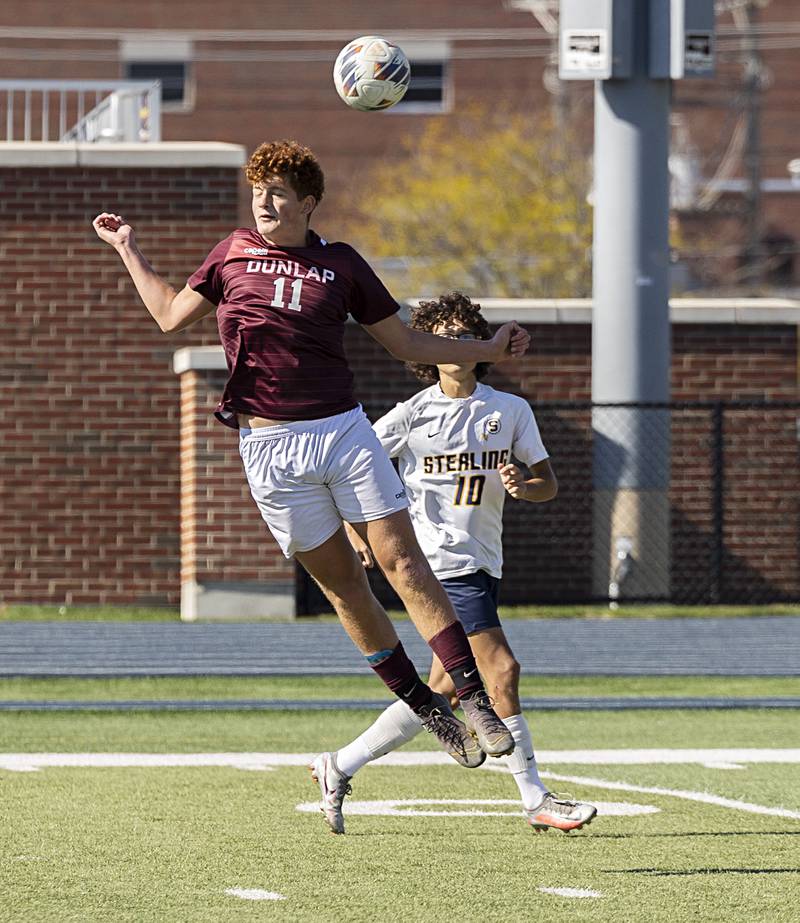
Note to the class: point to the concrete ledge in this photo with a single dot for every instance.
(682, 310)
(226, 601)
(202, 358)
(567, 311)
(703, 313)
(178, 154)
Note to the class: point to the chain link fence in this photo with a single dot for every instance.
(692, 503)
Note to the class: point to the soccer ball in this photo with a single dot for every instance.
(371, 73)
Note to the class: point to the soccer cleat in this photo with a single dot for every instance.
(493, 736)
(452, 734)
(561, 813)
(334, 786)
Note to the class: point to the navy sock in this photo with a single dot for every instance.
(400, 675)
(451, 646)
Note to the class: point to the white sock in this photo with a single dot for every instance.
(522, 763)
(394, 726)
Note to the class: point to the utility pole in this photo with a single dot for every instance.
(632, 49)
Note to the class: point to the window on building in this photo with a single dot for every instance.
(429, 89)
(172, 74)
(164, 56)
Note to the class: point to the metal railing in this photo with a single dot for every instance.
(81, 110)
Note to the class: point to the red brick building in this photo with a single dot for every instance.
(249, 71)
(103, 445)
(97, 428)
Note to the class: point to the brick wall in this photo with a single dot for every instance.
(548, 548)
(224, 541)
(93, 431)
(89, 406)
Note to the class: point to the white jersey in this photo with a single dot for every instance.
(448, 451)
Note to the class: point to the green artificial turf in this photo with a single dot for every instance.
(368, 687)
(38, 613)
(160, 732)
(165, 844)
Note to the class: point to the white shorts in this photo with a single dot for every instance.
(307, 477)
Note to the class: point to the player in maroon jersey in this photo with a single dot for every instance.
(282, 295)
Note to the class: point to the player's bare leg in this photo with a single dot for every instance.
(399, 556)
(439, 680)
(500, 671)
(341, 577)
(336, 568)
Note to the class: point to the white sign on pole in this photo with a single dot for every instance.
(698, 52)
(585, 50)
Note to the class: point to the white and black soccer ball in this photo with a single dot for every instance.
(371, 73)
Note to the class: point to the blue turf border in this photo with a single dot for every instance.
(753, 646)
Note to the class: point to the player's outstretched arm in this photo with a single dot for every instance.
(541, 486)
(171, 310)
(408, 345)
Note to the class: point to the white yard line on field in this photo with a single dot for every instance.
(571, 892)
(254, 894)
(30, 762)
(465, 807)
(703, 797)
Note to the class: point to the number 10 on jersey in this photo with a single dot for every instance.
(469, 490)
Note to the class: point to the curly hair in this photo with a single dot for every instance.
(452, 307)
(290, 159)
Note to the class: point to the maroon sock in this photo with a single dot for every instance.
(451, 646)
(401, 677)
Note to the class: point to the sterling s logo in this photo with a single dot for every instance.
(487, 427)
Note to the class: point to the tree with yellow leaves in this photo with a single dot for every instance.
(491, 207)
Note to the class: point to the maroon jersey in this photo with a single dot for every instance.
(281, 313)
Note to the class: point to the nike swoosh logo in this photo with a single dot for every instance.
(434, 434)
(407, 694)
(467, 675)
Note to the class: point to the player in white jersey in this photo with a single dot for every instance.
(456, 443)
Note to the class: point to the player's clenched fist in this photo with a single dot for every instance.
(513, 481)
(113, 229)
(511, 340)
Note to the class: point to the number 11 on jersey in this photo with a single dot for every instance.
(294, 304)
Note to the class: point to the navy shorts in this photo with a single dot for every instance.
(474, 597)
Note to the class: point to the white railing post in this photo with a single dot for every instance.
(154, 114)
(27, 117)
(10, 115)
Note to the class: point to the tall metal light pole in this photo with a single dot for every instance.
(632, 49)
